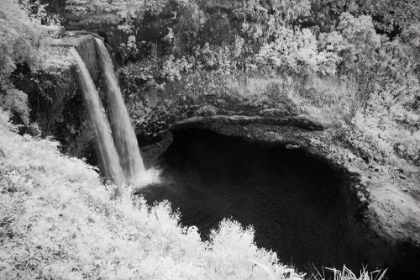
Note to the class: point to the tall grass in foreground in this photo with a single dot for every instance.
(347, 274)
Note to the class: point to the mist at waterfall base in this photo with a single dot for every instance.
(116, 145)
(299, 206)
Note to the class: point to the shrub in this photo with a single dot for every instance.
(296, 53)
(172, 68)
(22, 37)
(360, 43)
(19, 39)
(16, 101)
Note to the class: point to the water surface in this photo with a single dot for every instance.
(300, 206)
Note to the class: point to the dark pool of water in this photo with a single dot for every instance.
(299, 205)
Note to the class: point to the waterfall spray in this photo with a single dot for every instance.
(110, 163)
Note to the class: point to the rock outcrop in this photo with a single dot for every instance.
(84, 43)
(388, 201)
(55, 98)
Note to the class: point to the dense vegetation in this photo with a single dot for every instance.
(350, 64)
(26, 32)
(58, 222)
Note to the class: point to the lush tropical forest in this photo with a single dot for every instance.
(347, 69)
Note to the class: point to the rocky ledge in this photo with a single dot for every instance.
(390, 200)
(84, 43)
(54, 96)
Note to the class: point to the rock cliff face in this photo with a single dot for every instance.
(387, 203)
(391, 209)
(209, 176)
(55, 98)
(382, 212)
(84, 42)
(389, 200)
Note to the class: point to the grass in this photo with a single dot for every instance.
(347, 274)
(326, 99)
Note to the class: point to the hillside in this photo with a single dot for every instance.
(338, 79)
(58, 221)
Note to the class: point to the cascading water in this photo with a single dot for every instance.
(124, 136)
(107, 153)
(118, 151)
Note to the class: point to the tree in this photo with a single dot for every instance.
(360, 43)
(21, 33)
(296, 52)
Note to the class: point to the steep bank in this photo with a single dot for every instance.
(389, 195)
(300, 205)
(371, 109)
(58, 221)
(381, 188)
(55, 98)
(391, 198)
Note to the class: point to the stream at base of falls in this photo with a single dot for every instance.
(299, 205)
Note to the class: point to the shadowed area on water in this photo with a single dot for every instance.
(300, 206)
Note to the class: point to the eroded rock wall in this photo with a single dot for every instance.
(84, 42)
(55, 99)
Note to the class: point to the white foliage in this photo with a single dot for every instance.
(296, 52)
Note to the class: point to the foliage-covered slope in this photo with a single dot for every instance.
(58, 222)
(173, 54)
(351, 62)
(184, 50)
(25, 52)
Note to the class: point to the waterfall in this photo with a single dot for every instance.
(118, 150)
(124, 136)
(110, 162)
